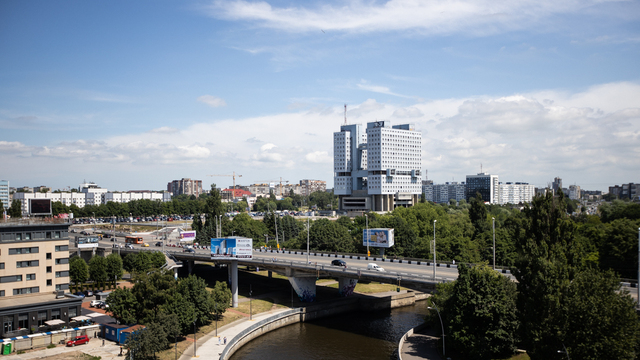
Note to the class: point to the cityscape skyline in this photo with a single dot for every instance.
(133, 95)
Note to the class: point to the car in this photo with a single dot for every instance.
(374, 267)
(88, 293)
(339, 263)
(78, 340)
(114, 239)
(145, 245)
(80, 294)
(84, 232)
(128, 246)
(95, 303)
(159, 243)
(106, 236)
(189, 250)
(74, 230)
(104, 306)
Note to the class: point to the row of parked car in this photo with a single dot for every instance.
(99, 304)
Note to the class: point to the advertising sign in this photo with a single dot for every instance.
(234, 248)
(87, 242)
(378, 237)
(40, 206)
(187, 236)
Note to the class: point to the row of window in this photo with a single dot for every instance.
(23, 319)
(16, 278)
(28, 236)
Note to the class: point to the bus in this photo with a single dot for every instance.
(133, 239)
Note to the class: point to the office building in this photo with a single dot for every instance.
(625, 191)
(185, 186)
(556, 185)
(378, 168)
(4, 194)
(516, 193)
(427, 190)
(34, 274)
(66, 198)
(485, 184)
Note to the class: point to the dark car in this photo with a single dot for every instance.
(78, 340)
(339, 263)
(88, 293)
(106, 236)
(159, 243)
(80, 293)
(189, 250)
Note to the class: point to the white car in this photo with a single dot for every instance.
(94, 303)
(374, 267)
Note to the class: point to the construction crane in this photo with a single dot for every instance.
(280, 181)
(234, 181)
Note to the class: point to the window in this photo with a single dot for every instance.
(7, 324)
(62, 261)
(42, 317)
(55, 314)
(23, 321)
(48, 269)
(48, 256)
(62, 286)
(18, 237)
(73, 312)
(21, 264)
(62, 274)
(28, 290)
(16, 251)
(1, 293)
(27, 236)
(2, 266)
(49, 282)
(62, 248)
(48, 235)
(56, 235)
(31, 276)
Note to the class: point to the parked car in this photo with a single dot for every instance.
(374, 267)
(88, 293)
(80, 294)
(95, 303)
(339, 263)
(78, 340)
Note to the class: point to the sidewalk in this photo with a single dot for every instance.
(422, 345)
(207, 346)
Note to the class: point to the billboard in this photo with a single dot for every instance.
(187, 236)
(232, 248)
(378, 237)
(87, 242)
(40, 206)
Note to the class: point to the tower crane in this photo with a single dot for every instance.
(280, 181)
(234, 181)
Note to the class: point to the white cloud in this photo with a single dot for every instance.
(409, 112)
(212, 101)
(319, 157)
(479, 17)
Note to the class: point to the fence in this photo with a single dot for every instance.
(32, 341)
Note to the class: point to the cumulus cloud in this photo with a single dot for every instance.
(319, 157)
(212, 101)
(409, 112)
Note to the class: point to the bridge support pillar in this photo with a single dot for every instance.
(346, 286)
(175, 273)
(190, 265)
(305, 287)
(270, 274)
(233, 269)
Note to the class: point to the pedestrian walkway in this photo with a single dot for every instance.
(208, 346)
(422, 345)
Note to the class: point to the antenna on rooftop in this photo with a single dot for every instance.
(345, 114)
(480, 168)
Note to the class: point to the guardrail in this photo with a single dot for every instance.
(406, 336)
(231, 347)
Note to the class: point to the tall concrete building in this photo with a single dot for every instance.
(4, 194)
(485, 184)
(185, 186)
(516, 193)
(310, 186)
(377, 169)
(442, 193)
(557, 185)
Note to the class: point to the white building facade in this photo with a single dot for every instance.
(125, 197)
(378, 169)
(4, 194)
(66, 198)
(516, 193)
(443, 193)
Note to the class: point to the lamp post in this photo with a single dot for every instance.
(130, 223)
(638, 283)
(195, 340)
(442, 325)
(564, 351)
(366, 218)
(434, 250)
(250, 305)
(307, 239)
(494, 242)
(215, 308)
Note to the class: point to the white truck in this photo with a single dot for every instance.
(374, 267)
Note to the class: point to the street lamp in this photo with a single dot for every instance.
(638, 283)
(494, 242)
(250, 304)
(434, 250)
(307, 238)
(442, 325)
(564, 352)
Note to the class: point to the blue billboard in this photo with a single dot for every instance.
(232, 247)
(378, 237)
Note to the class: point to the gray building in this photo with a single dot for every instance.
(487, 185)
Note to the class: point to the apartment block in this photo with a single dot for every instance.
(516, 193)
(185, 186)
(485, 184)
(4, 194)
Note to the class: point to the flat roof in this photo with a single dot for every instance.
(19, 301)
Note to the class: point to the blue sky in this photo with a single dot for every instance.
(132, 95)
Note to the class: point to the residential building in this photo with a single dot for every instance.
(125, 197)
(41, 188)
(4, 194)
(485, 184)
(66, 198)
(310, 186)
(377, 169)
(427, 190)
(574, 192)
(94, 195)
(443, 193)
(260, 190)
(34, 274)
(185, 186)
(556, 185)
(516, 193)
(625, 191)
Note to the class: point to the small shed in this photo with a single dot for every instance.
(102, 296)
(124, 334)
(112, 331)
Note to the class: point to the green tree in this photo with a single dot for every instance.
(326, 235)
(221, 296)
(478, 215)
(480, 313)
(114, 267)
(619, 247)
(98, 270)
(78, 271)
(194, 291)
(123, 305)
(15, 211)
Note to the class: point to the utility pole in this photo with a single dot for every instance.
(434, 249)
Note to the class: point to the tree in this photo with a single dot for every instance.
(194, 291)
(326, 235)
(98, 270)
(478, 215)
(78, 271)
(15, 211)
(221, 296)
(114, 267)
(619, 248)
(122, 305)
(480, 314)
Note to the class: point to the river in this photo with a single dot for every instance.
(359, 335)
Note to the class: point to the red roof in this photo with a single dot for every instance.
(239, 192)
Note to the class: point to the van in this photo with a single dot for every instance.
(375, 267)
